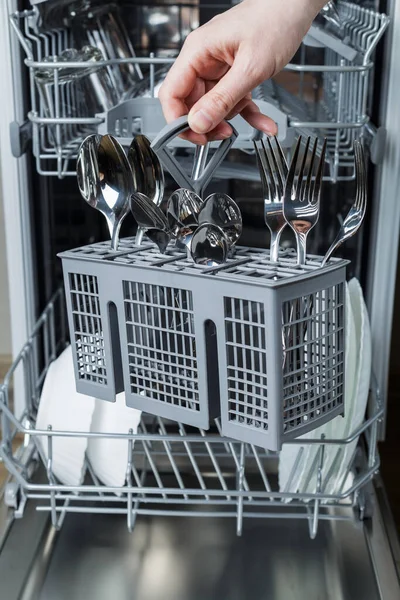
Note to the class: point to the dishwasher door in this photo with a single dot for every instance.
(94, 557)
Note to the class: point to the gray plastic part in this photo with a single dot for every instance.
(11, 494)
(188, 334)
(319, 38)
(20, 137)
(144, 115)
(378, 145)
(198, 181)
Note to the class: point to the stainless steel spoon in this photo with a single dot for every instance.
(182, 214)
(220, 210)
(87, 172)
(97, 187)
(148, 176)
(115, 183)
(147, 214)
(209, 245)
(151, 220)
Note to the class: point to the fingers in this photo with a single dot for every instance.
(219, 102)
(178, 85)
(251, 113)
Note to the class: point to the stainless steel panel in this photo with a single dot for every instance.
(191, 559)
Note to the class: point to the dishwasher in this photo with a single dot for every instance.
(199, 512)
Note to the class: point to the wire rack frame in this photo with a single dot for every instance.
(340, 113)
(170, 469)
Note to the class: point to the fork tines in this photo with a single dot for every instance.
(306, 168)
(272, 165)
(302, 192)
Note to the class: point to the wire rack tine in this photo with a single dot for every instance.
(193, 461)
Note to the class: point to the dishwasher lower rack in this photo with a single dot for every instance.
(171, 470)
(326, 99)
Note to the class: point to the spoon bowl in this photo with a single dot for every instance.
(151, 220)
(220, 210)
(87, 172)
(116, 184)
(182, 214)
(148, 175)
(209, 245)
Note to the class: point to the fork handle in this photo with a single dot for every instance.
(301, 241)
(334, 246)
(274, 246)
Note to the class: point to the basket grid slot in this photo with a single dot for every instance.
(246, 362)
(161, 344)
(246, 263)
(313, 355)
(89, 339)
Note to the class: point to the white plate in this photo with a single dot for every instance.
(65, 410)
(361, 381)
(108, 457)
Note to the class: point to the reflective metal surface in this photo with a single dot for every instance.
(105, 180)
(151, 220)
(355, 216)
(209, 245)
(182, 213)
(220, 210)
(95, 558)
(148, 175)
(273, 173)
(302, 198)
(116, 184)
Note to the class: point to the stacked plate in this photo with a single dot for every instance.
(63, 409)
(108, 457)
(298, 463)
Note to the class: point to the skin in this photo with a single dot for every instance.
(224, 60)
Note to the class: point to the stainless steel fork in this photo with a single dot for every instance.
(356, 214)
(302, 193)
(273, 171)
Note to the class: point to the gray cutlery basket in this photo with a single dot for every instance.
(260, 344)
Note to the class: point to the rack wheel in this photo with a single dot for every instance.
(12, 495)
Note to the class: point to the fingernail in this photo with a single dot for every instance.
(200, 122)
(273, 131)
(220, 135)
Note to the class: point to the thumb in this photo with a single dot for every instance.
(214, 106)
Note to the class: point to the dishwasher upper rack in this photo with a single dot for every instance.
(171, 470)
(337, 110)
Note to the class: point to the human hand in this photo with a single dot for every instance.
(224, 60)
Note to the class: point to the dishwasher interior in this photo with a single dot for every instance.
(190, 497)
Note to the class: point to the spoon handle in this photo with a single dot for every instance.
(139, 236)
(115, 235)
